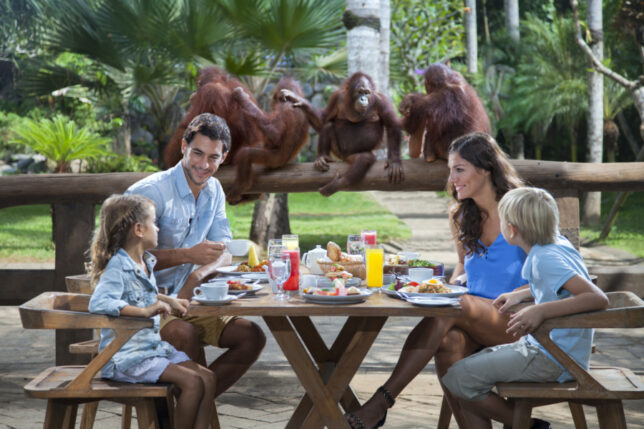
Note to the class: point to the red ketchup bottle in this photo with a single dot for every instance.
(293, 282)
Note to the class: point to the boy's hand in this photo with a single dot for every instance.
(179, 306)
(525, 321)
(506, 300)
(158, 307)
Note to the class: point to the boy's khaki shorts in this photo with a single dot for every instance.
(474, 377)
(209, 327)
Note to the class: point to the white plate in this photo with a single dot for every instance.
(432, 301)
(256, 276)
(206, 301)
(347, 299)
(230, 270)
(325, 282)
(455, 291)
(248, 292)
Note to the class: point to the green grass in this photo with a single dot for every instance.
(25, 235)
(628, 231)
(317, 219)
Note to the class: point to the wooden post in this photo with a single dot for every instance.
(73, 224)
(568, 203)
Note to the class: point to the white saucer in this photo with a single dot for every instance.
(205, 301)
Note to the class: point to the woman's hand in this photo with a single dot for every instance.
(525, 321)
(507, 300)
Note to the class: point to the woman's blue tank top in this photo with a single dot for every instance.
(497, 270)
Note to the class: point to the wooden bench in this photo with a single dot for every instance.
(64, 387)
(602, 387)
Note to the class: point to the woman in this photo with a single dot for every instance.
(480, 175)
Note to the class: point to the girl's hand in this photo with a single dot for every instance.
(158, 307)
(179, 306)
(525, 321)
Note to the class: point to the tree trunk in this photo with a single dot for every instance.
(512, 19)
(362, 20)
(611, 135)
(470, 32)
(385, 24)
(122, 143)
(592, 205)
(270, 219)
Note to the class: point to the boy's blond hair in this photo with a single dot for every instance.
(533, 212)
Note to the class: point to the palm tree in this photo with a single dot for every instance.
(60, 141)
(550, 82)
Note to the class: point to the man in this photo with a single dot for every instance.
(191, 215)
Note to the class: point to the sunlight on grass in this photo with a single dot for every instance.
(628, 231)
(25, 235)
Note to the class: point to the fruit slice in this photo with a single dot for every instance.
(252, 257)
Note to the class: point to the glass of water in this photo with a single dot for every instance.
(279, 269)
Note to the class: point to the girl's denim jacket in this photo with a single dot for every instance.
(125, 283)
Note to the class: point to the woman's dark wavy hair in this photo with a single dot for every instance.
(482, 151)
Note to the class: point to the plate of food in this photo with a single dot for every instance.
(432, 287)
(236, 287)
(243, 268)
(335, 295)
(396, 264)
(432, 301)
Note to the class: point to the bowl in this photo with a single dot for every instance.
(238, 247)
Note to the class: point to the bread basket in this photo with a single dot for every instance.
(356, 268)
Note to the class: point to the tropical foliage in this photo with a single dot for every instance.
(60, 141)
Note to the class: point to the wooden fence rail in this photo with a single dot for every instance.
(73, 197)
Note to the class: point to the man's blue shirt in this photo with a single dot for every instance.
(183, 223)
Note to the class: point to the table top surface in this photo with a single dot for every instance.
(263, 304)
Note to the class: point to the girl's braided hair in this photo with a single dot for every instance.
(119, 214)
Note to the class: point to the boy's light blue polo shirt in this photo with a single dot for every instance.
(548, 268)
(182, 221)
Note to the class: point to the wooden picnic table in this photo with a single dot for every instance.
(325, 373)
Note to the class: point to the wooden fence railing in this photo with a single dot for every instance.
(73, 197)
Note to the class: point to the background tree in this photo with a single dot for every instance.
(362, 21)
(471, 36)
(592, 204)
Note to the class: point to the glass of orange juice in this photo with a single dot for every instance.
(375, 256)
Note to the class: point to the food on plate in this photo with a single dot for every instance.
(246, 268)
(428, 286)
(238, 285)
(353, 291)
(332, 291)
(333, 251)
(338, 271)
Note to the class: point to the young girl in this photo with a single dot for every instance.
(560, 285)
(125, 286)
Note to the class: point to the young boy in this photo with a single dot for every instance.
(560, 285)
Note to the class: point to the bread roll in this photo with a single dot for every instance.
(333, 251)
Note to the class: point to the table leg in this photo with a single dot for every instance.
(347, 355)
(305, 370)
(326, 360)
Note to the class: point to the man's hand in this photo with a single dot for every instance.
(206, 252)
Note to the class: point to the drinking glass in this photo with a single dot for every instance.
(369, 237)
(291, 241)
(374, 256)
(279, 269)
(355, 245)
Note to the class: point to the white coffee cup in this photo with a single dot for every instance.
(420, 274)
(215, 291)
(308, 280)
